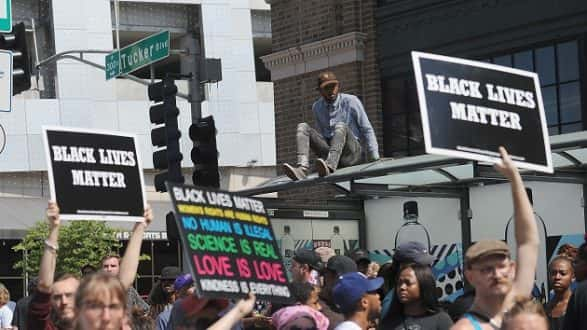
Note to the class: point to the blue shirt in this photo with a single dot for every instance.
(347, 109)
(162, 322)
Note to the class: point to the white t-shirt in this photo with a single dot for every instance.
(6, 313)
(348, 325)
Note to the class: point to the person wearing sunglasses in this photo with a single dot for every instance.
(343, 129)
(356, 297)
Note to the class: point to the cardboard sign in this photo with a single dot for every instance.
(471, 108)
(94, 175)
(230, 244)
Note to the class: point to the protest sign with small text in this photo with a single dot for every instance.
(230, 243)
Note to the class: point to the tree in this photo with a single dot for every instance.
(80, 243)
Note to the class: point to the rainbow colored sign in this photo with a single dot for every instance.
(230, 243)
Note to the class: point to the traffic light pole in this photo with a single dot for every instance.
(190, 65)
(70, 54)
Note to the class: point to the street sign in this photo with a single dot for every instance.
(5, 80)
(137, 55)
(5, 16)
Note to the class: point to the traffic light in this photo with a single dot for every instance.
(21, 64)
(204, 154)
(165, 135)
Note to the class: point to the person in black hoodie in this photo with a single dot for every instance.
(576, 316)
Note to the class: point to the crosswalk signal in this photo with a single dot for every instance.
(165, 134)
(21, 64)
(205, 154)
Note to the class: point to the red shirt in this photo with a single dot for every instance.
(39, 315)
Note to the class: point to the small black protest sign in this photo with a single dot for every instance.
(94, 175)
(230, 244)
(471, 108)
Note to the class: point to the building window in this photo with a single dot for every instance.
(402, 125)
(261, 22)
(557, 66)
(13, 279)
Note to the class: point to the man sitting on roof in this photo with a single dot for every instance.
(342, 127)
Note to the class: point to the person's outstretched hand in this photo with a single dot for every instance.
(148, 215)
(245, 306)
(506, 167)
(53, 215)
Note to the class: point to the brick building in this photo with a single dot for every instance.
(309, 37)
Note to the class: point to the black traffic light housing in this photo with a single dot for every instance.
(205, 154)
(21, 63)
(165, 134)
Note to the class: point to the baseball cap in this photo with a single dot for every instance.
(484, 248)
(326, 78)
(182, 280)
(351, 287)
(170, 273)
(341, 265)
(414, 252)
(359, 255)
(325, 253)
(308, 257)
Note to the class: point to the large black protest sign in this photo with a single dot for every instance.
(230, 244)
(471, 108)
(94, 174)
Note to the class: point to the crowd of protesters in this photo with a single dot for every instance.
(330, 291)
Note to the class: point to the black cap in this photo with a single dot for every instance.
(170, 273)
(410, 209)
(413, 252)
(341, 265)
(308, 257)
(359, 255)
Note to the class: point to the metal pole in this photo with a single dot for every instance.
(33, 26)
(67, 55)
(466, 215)
(585, 206)
(117, 22)
(190, 65)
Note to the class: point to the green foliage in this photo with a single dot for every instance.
(80, 243)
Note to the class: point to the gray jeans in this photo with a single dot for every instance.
(342, 149)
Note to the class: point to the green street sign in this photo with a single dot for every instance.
(137, 55)
(5, 16)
